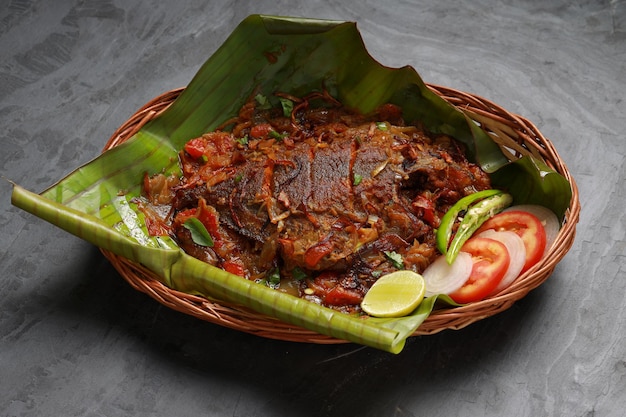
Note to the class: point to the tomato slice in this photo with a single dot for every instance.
(548, 220)
(315, 253)
(195, 147)
(527, 226)
(339, 296)
(234, 267)
(490, 261)
(517, 254)
(261, 130)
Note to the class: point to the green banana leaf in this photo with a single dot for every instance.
(263, 55)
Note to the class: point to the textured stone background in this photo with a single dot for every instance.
(75, 339)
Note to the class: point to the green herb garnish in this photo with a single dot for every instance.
(263, 102)
(273, 279)
(381, 126)
(278, 136)
(199, 234)
(287, 106)
(395, 259)
(298, 274)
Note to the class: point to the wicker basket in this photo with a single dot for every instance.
(516, 136)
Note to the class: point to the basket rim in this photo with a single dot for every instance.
(519, 135)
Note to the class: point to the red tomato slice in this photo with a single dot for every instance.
(527, 226)
(490, 260)
(261, 130)
(195, 147)
(517, 254)
(316, 252)
(342, 296)
(548, 220)
(234, 267)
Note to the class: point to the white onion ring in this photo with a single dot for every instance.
(443, 278)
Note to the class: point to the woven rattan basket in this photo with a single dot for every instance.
(516, 136)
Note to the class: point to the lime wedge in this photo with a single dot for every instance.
(394, 295)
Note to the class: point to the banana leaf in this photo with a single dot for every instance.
(265, 54)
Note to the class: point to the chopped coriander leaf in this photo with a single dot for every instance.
(242, 141)
(357, 179)
(395, 259)
(287, 106)
(274, 134)
(262, 101)
(381, 126)
(273, 279)
(298, 274)
(199, 234)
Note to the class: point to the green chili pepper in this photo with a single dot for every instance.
(476, 215)
(444, 233)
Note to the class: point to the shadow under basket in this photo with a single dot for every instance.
(515, 135)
